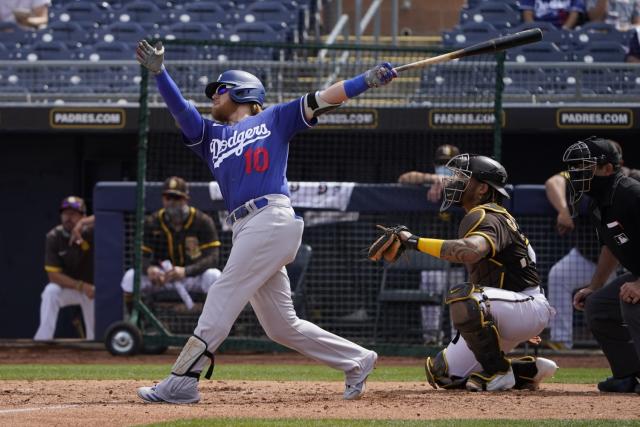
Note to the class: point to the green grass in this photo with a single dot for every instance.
(250, 372)
(254, 422)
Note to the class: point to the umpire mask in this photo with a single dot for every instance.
(581, 167)
(457, 182)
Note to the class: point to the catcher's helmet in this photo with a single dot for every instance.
(244, 87)
(465, 166)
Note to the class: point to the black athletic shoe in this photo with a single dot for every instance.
(619, 385)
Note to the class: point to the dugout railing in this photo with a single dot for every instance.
(341, 284)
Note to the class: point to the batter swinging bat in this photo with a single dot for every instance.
(490, 46)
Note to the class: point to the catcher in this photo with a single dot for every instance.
(502, 304)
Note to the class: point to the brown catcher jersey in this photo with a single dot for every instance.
(76, 261)
(511, 262)
(194, 247)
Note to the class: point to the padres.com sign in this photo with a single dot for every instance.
(87, 118)
(594, 118)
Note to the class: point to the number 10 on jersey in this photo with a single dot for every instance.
(256, 160)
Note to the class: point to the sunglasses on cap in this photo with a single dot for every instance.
(222, 89)
(75, 205)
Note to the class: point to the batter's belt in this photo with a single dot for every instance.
(244, 210)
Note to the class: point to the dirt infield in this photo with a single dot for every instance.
(114, 403)
(76, 403)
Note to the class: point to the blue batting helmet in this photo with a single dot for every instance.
(244, 87)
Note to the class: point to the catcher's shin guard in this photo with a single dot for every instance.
(478, 330)
(191, 353)
(437, 373)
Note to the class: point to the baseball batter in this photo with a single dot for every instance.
(246, 149)
(502, 305)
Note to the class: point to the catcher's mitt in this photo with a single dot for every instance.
(388, 246)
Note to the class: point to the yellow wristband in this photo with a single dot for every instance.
(430, 246)
(79, 285)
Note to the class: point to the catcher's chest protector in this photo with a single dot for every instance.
(511, 262)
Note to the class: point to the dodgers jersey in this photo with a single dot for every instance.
(249, 159)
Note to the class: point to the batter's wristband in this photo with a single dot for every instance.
(430, 246)
(355, 86)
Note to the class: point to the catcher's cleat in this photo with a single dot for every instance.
(355, 386)
(546, 369)
(480, 381)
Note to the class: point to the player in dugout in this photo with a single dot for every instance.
(246, 148)
(502, 305)
(181, 247)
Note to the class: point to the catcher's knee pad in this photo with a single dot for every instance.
(477, 328)
(437, 372)
(191, 353)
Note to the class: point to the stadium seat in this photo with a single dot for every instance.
(71, 33)
(123, 32)
(394, 290)
(469, 33)
(279, 15)
(4, 52)
(80, 12)
(513, 4)
(205, 12)
(602, 51)
(550, 32)
(142, 11)
(184, 52)
(267, 11)
(597, 31)
(541, 51)
(189, 30)
(598, 80)
(53, 50)
(229, 53)
(534, 80)
(500, 14)
(12, 35)
(254, 32)
(114, 50)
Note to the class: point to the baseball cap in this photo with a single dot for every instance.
(603, 150)
(445, 152)
(73, 202)
(176, 186)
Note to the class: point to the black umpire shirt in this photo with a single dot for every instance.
(616, 216)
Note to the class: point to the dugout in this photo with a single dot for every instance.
(43, 163)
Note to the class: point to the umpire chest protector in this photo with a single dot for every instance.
(510, 264)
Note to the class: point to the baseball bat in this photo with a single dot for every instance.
(490, 46)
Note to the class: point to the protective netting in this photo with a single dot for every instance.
(341, 288)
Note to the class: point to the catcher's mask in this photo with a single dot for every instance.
(462, 168)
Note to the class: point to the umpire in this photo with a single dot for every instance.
(612, 310)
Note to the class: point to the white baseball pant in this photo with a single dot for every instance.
(518, 317)
(54, 297)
